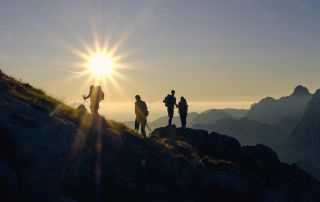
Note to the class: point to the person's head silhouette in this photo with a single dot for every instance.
(138, 98)
(173, 92)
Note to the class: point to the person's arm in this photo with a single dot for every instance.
(86, 97)
(175, 102)
(136, 109)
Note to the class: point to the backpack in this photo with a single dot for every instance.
(100, 94)
(166, 100)
(144, 109)
(183, 107)
(169, 100)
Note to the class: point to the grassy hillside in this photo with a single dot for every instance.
(35, 97)
(40, 101)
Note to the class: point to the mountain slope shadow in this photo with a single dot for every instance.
(55, 153)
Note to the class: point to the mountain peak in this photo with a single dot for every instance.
(317, 93)
(301, 91)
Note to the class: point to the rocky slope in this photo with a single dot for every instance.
(49, 152)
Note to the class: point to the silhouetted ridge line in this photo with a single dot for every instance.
(50, 158)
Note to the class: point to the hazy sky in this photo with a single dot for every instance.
(232, 51)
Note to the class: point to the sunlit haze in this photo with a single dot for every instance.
(216, 53)
(101, 65)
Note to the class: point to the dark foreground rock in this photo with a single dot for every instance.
(50, 156)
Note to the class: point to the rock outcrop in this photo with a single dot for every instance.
(247, 171)
(250, 132)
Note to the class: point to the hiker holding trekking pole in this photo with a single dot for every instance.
(141, 111)
(96, 95)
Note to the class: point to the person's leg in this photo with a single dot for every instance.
(184, 120)
(170, 114)
(137, 124)
(143, 127)
(181, 119)
(92, 108)
(97, 107)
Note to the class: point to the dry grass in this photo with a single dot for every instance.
(119, 128)
(39, 100)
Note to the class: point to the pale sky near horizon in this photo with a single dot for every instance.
(210, 51)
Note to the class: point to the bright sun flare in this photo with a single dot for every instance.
(101, 65)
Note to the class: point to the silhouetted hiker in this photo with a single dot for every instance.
(141, 111)
(170, 101)
(96, 95)
(183, 111)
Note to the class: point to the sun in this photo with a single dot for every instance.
(101, 65)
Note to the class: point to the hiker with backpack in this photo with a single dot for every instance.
(183, 111)
(170, 101)
(141, 111)
(96, 95)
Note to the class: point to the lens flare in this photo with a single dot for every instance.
(101, 65)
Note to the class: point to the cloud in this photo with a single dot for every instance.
(42, 69)
(7, 37)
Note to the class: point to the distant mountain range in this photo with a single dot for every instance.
(290, 125)
(269, 121)
(249, 132)
(306, 138)
(163, 121)
(308, 130)
(285, 112)
(208, 116)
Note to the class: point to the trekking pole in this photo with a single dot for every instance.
(84, 100)
(149, 128)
